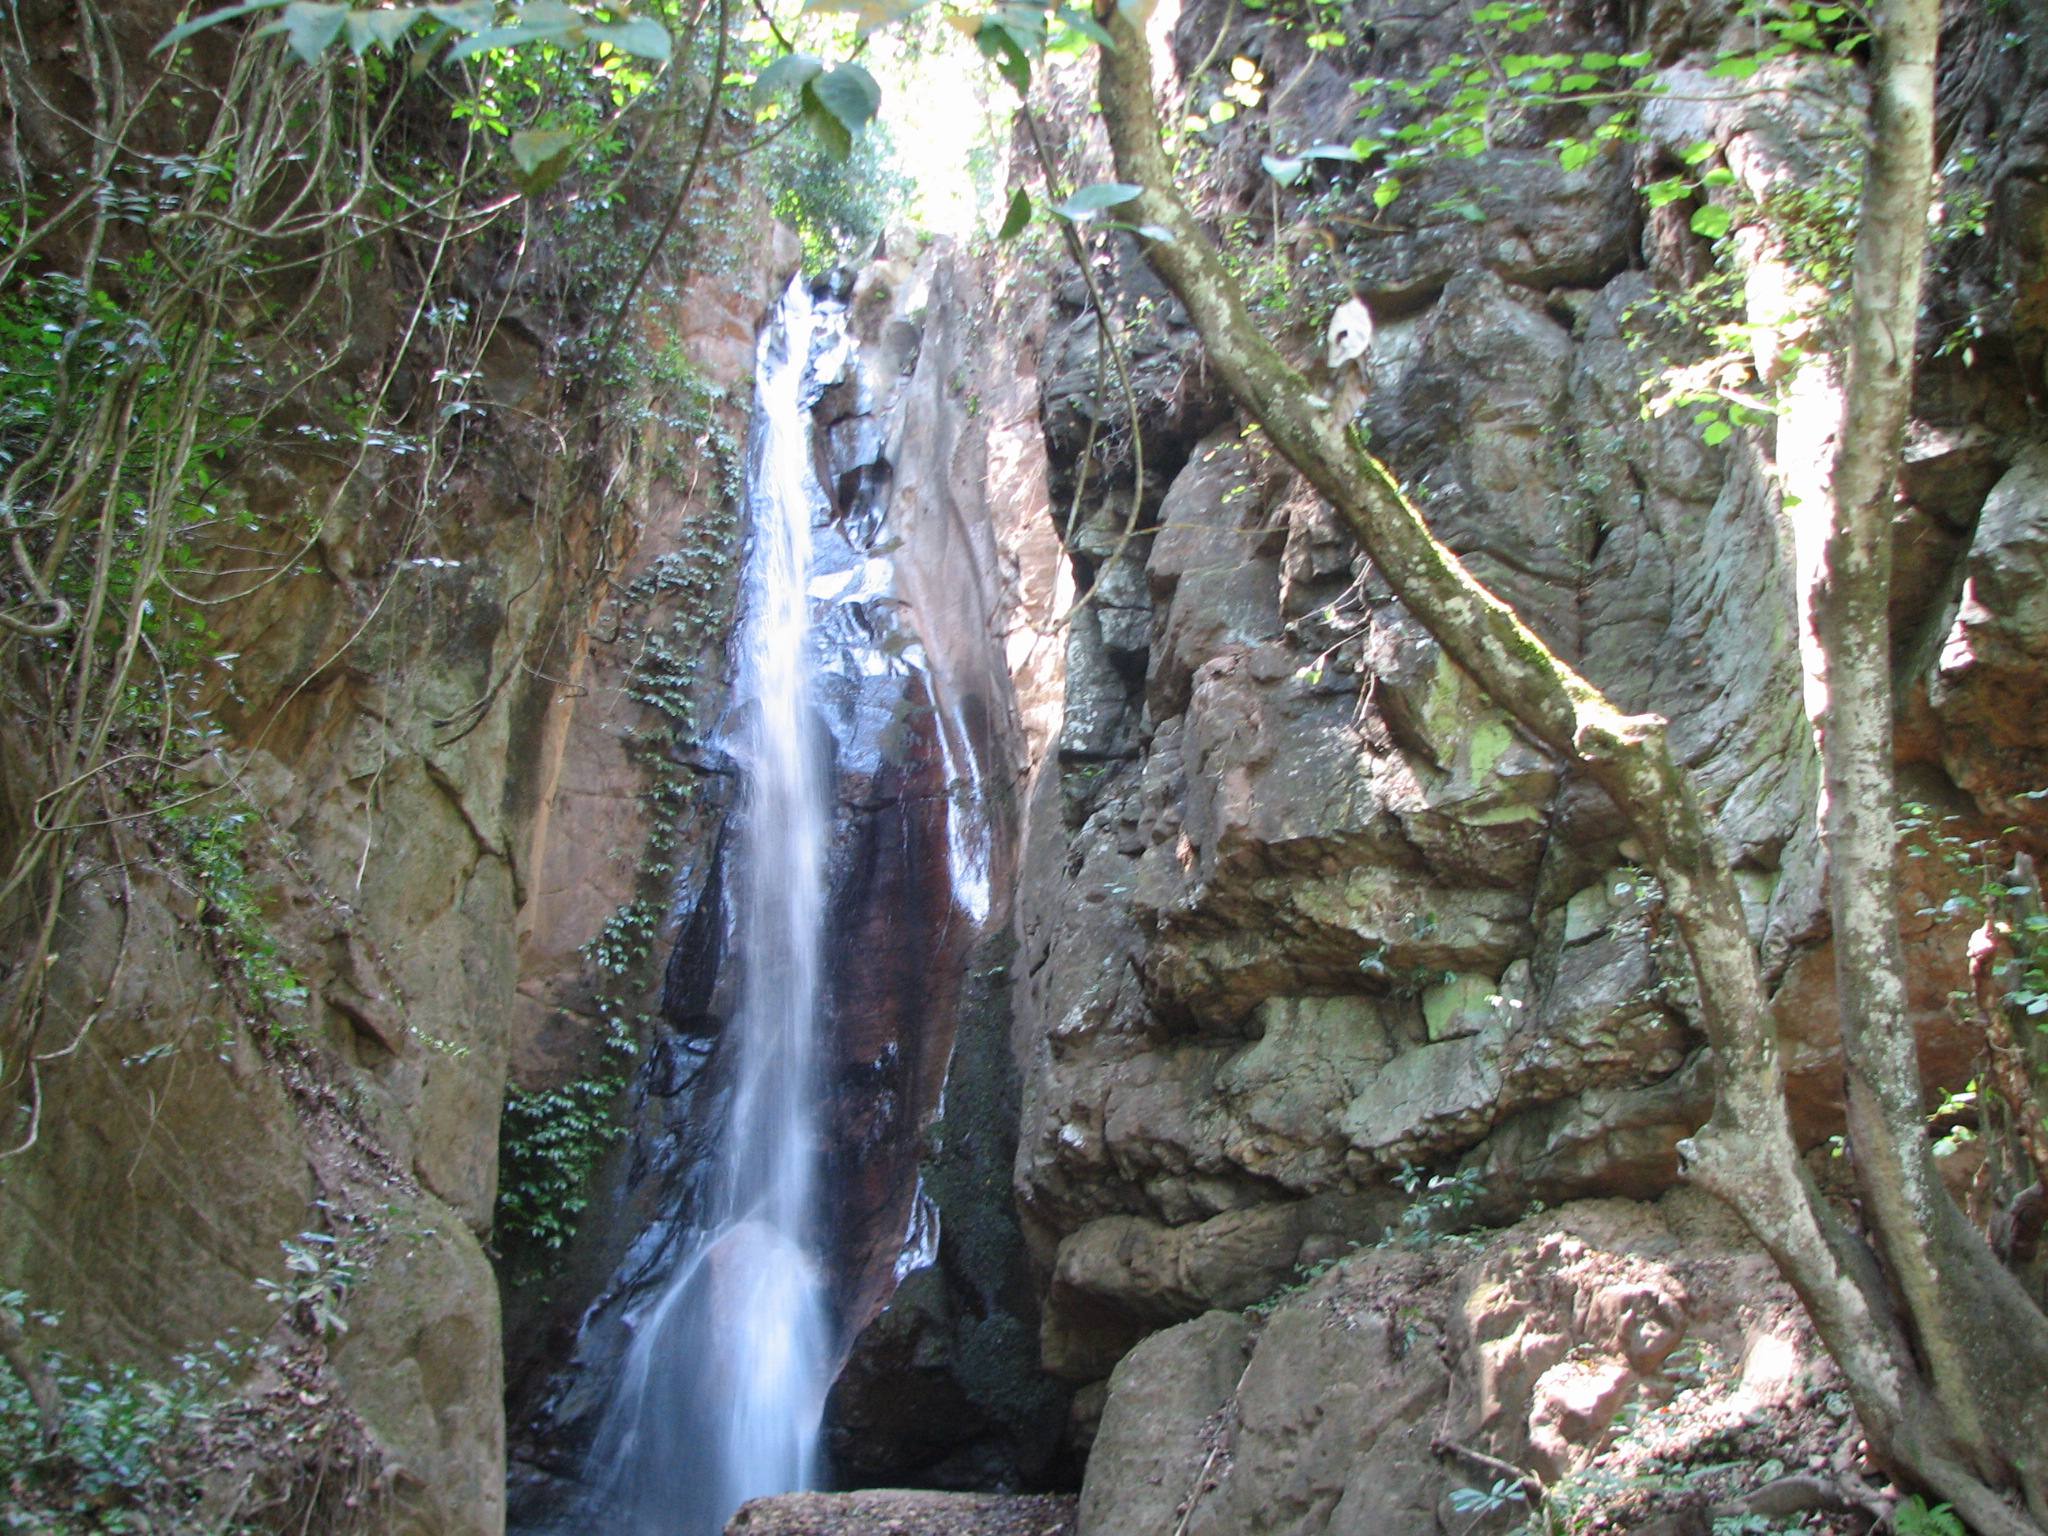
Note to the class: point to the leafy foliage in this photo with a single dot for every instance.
(213, 840)
(311, 28)
(551, 1141)
(838, 204)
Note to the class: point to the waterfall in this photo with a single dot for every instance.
(723, 1386)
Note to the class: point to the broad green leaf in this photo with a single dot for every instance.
(786, 73)
(1735, 66)
(1155, 232)
(1713, 221)
(850, 94)
(1719, 176)
(536, 146)
(381, 29)
(1634, 61)
(470, 16)
(1669, 190)
(542, 155)
(1597, 61)
(1018, 216)
(1386, 191)
(1086, 25)
(999, 44)
(1286, 170)
(1578, 82)
(185, 29)
(508, 37)
(1574, 153)
(1350, 152)
(309, 28)
(643, 37)
(1091, 200)
(833, 135)
(546, 13)
(1698, 152)
(1716, 432)
(1026, 22)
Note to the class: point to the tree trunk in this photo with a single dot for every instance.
(1745, 1153)
(1983, 1343)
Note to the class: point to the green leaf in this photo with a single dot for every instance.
(786, 73)
(185, 29)
(309, 28)
(1574, 153)
(1026, 22)
(1698, 152)
(1351, 151)
(1286, 170)
(850, 94)
(1388, 189)
(381, 29)
(1091, 200)
(470, 16)
(1669, 190)
(1018, 216)
(833, 136)
(1713, 221)
(506, 37)
(1086, 25)
(542, 155)
(1734, 66)
(642, 37)
(999, 44)
(1578, 82)
(1597, 61)
(1716, 433)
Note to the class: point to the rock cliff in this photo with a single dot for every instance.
(1305, 923)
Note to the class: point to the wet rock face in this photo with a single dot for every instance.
(925, 596)
(1298, 906)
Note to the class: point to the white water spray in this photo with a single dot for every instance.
(723, 1387)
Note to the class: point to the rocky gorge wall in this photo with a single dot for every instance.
(1277, 907)
(933, 583)
(1305, 924)
(425, 777)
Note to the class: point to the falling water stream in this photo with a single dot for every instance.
(724, 1384)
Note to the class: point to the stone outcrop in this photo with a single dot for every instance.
(1439, 1387)
(1299, 908)
(886, 1512)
